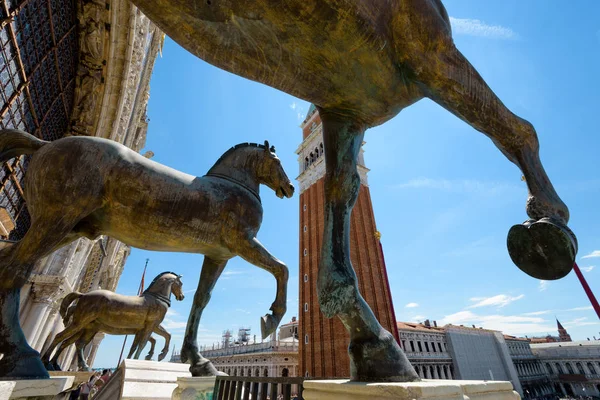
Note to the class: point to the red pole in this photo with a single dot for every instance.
(587, 290)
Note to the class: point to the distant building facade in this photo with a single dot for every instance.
(573, 368)
(70, 68)
(324, 341)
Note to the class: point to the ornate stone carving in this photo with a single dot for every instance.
(93, 17)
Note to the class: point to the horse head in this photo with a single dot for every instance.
(164, 284)
(270, 172)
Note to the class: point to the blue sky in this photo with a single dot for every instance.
(444, 196)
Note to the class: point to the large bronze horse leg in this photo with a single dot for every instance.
(16, 264)
(374, 353)
(255, 253)
(144, 338)
(65, 338)
(544, 247)
(200, 366)
(163, 332)
(85, 338)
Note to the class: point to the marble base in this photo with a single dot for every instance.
(38, 389)
(426, 389)
(194, 389)
(144, 380)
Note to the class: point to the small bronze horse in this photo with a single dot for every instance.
(87, 186)
(115, 314)
(361, 62)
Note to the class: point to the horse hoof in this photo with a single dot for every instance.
(149, 358)
(543, 249)
(268, 325)
(380, 359)
(205, 369)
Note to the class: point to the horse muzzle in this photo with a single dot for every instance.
(285, 190)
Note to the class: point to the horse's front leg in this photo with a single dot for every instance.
(255, 253)
(200, 366)
(543, 247)
(163, 332)
(151, 352)
(135, 344)
(374, 353)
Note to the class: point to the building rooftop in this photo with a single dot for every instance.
(565, 344)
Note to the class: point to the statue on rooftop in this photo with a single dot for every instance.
(99, 187)
(361, 62)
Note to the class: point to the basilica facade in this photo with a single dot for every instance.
(70, 68)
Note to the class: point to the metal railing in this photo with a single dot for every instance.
(257, 388)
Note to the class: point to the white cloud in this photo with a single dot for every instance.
(543, 285)
(580, 308)
(458, 186)
(537, 312)
(500, 300)
(509, 324)
(417, 318)
(411, 305)
(171, 313)
(583, 321)
(233, 272)
(293, 105)
(593, 254)
(588, 269)
(170, 324)
(475, 27)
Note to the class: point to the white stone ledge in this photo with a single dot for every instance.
(34, 388)
(426, 389)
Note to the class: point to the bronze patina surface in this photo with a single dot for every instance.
(86, 314)
(361, 62)
(99, 187)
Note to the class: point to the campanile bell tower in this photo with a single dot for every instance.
(323, 351)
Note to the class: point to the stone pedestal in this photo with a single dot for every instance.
(143, 380)
(38, 389)
(426, 389)
(194, 388)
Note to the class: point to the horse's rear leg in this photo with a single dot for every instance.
(16, 264)
(200, 366)
(543, 247)
(255, 253)
(151, 352)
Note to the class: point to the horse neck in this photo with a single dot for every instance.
(161, 290)
(239, 166)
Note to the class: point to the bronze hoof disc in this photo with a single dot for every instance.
(544, 249)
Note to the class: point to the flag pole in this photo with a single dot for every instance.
(140, 291)
(587, 289)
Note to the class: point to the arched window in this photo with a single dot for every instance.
(580, 368)
(317, 152)
(558, 368)
(257, 372)
(235, 372)
(420, 347)
(412, 346)
(321, 148)
(306, 163)
(285, 373)
(432, 347)
(312, 158)
(549, 369)
(569, 368)
(427, 347)
(266, 372)
(241, 371)
(591, 368)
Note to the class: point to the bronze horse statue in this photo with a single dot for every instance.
(360, 62)
(115, 314)
(87, 186)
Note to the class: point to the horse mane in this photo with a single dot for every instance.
(239, 146)
(158, 276)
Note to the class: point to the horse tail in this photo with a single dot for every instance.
(65, 311)
(14, 142)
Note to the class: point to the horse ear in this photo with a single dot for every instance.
(266, 145)
(272, 149)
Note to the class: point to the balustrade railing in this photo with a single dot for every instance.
(257, 388)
